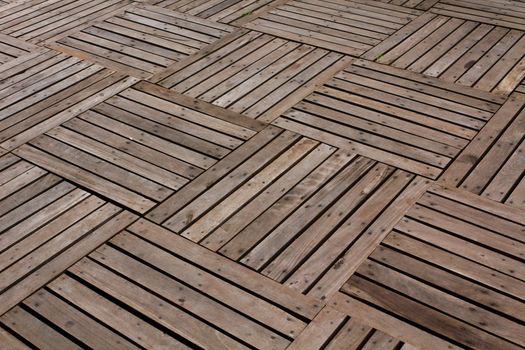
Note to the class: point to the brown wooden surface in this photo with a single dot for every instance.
(262, 174)
(468, 53)
(450, 268)
(142, 40)
(388, 114)
(346, 26)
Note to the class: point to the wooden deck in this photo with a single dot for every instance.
(262, 174)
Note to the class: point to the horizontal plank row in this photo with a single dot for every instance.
(397, 117)
(140, 145)
(142, 40)
(465, 52)
(351, 27)
(251, 73)
(46, 225)
(453, 265)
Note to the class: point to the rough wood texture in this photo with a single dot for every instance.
(415, 123)
(468, 53)
(449, 266)
(348, 26)
(262, 174)
(251, 73)
(142, 40)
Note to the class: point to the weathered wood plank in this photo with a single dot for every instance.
(468, 53)
(251, 73)
(142, 40)
(444, 267)
(46, 224)
(349, 27)
(405, 120)
(141, 145)
(492, 164)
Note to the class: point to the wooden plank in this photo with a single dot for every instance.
(141, 145)
(46, 222)
(414, 126)
(503, 13)
(12, 48)
(59, 314)
(465, 52)
(440, 276)
(11, 341)
(491, 165)
(352, 35)
(227, 269)
(372, 317)
(159, 37)
(191, 302)
(121, 320)
(34, 331)
(260, 79)
(45, 21)
(235, 12)
(37, 105)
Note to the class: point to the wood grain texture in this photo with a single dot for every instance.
(349, 27)
(46, 225)
(506, 13)
(448, 265)
(142, 40)
(252, 73)
(468, 53)
(262, 174)
(492, 165)
(140, 145)
(403, 119)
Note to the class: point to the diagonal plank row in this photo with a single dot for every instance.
(404, 119)
(469, 53)
(234, 12)
(252, 73)
(150, 288)
(43, 21)
(507, 13)
(222, 174)
(493, 165)
(44, 88)
(11, 48)
(142, 40)
(291, 208)
(351, 27)
(453, 266)
(46, 225)
(140, 145)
